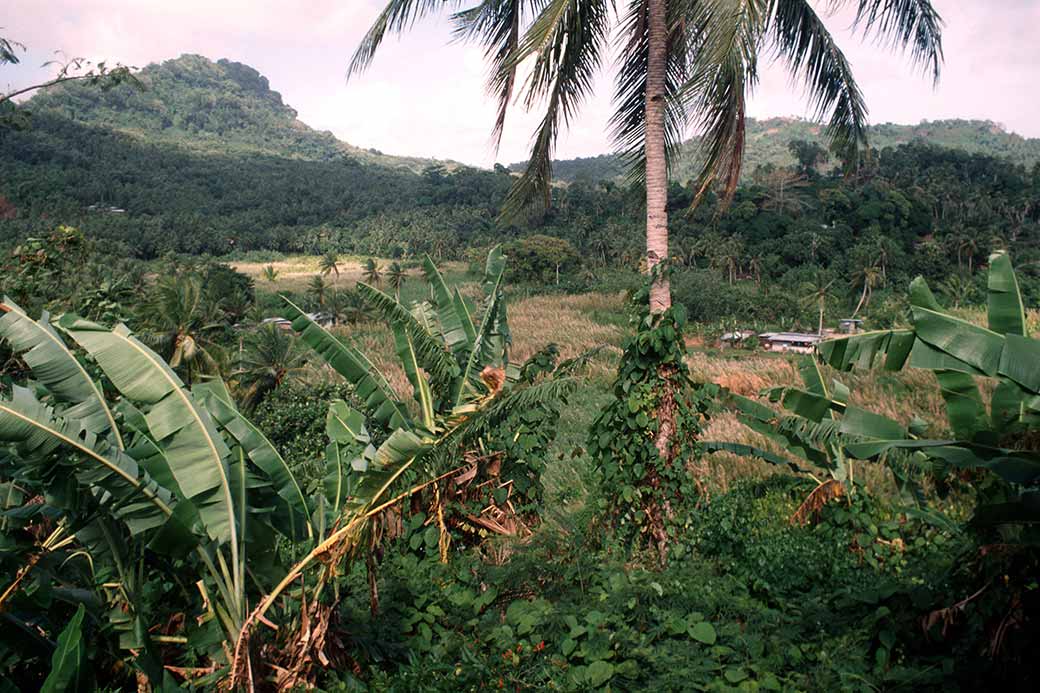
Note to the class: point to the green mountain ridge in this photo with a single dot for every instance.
(209, 107)
(767, 141)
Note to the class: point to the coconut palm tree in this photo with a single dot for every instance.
(867, 278)
(817, 292)
(329, 264)
(959, 288)
(346, 306)
(270, 356)
(269, 273)
(373, 273)
(681, 62)
(317, 289)
(754, 266)
(184, 326)
(395, 276)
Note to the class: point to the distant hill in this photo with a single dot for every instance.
(767, 144)
(207, 158)
(221, 106)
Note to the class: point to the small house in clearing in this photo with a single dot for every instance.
(850, 325)
(323, 319)
(734, 339)
(798, 342)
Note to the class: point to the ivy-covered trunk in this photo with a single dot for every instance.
(641, 457)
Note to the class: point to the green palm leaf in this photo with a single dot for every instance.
(566, 40)
(57, 368)
(195, 451)
(429, 353)
(260, 452)
(810, 50)
(457, 336)
(371, 387)
(131, 494)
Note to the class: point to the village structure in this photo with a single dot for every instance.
(797, 342)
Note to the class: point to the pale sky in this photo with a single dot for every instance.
(424, 94)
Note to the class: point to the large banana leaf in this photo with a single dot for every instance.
(1020, 360)
(751, 451)
(494, 270)
(369, 385)
(1007, 313)
(964, 407)
(427, 352)
(1016, 466)
(486, 351)
(184, 430)
(260, 452)
(464, 314)
(129, 492)
(391, 459)
(344, 465)
(57, 368)
(406, 354)
(862, 350)
(68, 663)
(143, 448)
(457, 335)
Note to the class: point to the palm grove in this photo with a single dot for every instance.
(175, 484)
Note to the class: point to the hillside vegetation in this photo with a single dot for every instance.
(767, 141)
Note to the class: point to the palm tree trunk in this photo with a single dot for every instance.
(656, 167)
(820, 329)
(862, 298)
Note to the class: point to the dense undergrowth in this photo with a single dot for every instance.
(757, 604)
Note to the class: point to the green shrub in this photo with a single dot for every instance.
(293, 419)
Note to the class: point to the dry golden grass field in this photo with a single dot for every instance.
(577, 323)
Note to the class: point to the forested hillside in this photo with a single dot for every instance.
(213, 107)
(206, 158)
(768, 139)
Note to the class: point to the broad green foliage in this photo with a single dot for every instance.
(758, 603)
(1000, 437)
(541, 258)
(457, 363)
(818, 431)
(645, 497)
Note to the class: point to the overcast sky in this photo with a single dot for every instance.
(424, 94)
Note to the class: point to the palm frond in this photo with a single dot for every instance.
(912, 24)
(495, 24)
(724, 69)
(432, 355)
(397, 17)
(566, 39)
(809, 49)
(628, 124)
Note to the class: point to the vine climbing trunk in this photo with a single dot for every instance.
(654, 143)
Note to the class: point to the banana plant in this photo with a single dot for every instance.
(960, 353)
(817, 427)
(464, 389)
(167, 471)
(454, 364)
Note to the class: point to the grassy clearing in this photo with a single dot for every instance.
(294, 272)
(577, 323)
